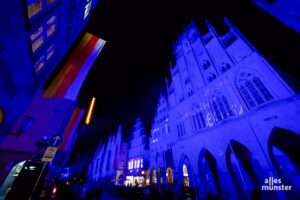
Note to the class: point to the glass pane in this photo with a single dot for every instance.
(34, 7)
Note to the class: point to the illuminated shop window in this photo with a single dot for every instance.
(138, 163)
(141, 162)
(34, 7)
(87, 8)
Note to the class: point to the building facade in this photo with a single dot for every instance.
(288, 12)
(34, 37)
(109, 160)
(233, 120)
(52, 112)
(138, 157)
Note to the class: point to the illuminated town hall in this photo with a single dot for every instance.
(226, 121)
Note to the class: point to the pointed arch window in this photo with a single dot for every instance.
(198, 120)
(206, 64)
(220, 107)
(180, 127)
(211, 76)
(253, 90)
(224, 67)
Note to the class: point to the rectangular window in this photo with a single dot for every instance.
(51, 26)
(34, 7)
(37, 43)
(50, 51)
(39, 64)
(36, 34)
(141, 162)
(138, 163)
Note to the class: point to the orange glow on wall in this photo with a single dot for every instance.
(89, 114)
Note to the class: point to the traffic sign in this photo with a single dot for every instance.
(49, 154)
(56, 141)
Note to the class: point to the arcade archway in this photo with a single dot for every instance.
(209, 175)
(153, 176)
(170, 175)
(284, 151)
(240, 167)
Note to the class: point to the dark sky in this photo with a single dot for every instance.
(129, 73)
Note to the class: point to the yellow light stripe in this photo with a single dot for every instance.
(89, 114)
(66, 68)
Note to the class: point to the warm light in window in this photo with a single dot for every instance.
(34, 7)
(51, 30)
(36, 34)
(37, 43)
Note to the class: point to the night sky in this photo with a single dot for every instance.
(129, 73)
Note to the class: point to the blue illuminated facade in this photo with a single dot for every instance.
(34, 36)
(227, 122)
(287, 11)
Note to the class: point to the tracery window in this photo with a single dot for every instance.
(198, 119)
(253, 90)
(220, 106)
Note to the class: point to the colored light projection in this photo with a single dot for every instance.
(68, 82)
(71, 128)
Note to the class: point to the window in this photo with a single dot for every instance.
(224, 67)
(253, 90)
(205, 64)
(211, 76)
(34, 7)
(220, 107)
(44, 57)
(180, 129)
(39, 64)
(198, 120)
(40, 36)
(264, 91)
(229, 40)
(141, 162)
(138, 163)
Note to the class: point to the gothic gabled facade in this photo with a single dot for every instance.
(233, 120)
(106, 159)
